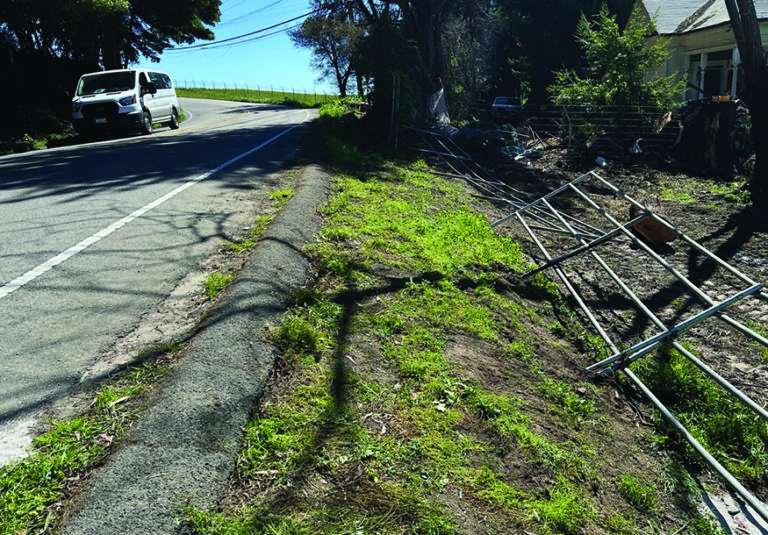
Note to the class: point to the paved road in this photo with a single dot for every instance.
(94, 236)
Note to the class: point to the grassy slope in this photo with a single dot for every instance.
(307, 100)
(424, 388)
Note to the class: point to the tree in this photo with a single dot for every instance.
(747, 33)
(114, 33)
(537, 40)
(471, 30)
(616, 67)
(333, 39)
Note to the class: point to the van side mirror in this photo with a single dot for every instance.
(149, 88)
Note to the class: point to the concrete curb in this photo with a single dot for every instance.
(186, 444)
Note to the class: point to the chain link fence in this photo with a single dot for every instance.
(259, 91)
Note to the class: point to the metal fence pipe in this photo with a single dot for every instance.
(733, 323)
(587, 246)
(727, 477)
(566, 281)
(757, 337)
(735, 485)
(672, 269)
(744, 278)
(696, 290)
(532, 209)
(540, 200)
(693, 243)
(646, 346)
(676, 345)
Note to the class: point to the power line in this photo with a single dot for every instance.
(223, 42)
(248, 15)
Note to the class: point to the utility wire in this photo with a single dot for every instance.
(245, 16)
(215, 44)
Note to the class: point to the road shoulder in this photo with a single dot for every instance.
(186, 445)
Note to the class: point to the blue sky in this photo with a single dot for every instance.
(267, 60)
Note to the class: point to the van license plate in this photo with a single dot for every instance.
(101, 120)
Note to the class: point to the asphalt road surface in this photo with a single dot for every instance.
(95, 235)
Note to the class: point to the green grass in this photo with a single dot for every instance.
(731, 432)
(261, 95)
(692, 191)
(61, 456)
(636, 492)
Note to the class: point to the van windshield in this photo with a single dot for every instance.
(108, 82)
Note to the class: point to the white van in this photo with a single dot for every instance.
(124, 100)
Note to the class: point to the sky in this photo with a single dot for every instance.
(264, 60)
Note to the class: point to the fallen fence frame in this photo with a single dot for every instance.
(620, 359)
(466, 168)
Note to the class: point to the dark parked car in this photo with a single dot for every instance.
(506, 108)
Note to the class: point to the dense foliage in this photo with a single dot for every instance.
(474, 49)
(617, 67)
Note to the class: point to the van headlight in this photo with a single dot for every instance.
(127, 101)
(76, 107)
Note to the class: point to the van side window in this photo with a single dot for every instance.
(143, 82)
(161, 80)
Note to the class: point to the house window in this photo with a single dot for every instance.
(710, 74)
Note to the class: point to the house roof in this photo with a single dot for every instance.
(683, 16)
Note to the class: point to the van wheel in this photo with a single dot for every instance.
(174, 122)
(146, 124)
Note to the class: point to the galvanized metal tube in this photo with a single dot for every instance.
(757, 505)
(646, 346)
(693, 243)
(682, 278)
(695, 289)
(564, 278)
(540, 199)
(676, 345)
(720, 380)
(587, 246)
(727, 477)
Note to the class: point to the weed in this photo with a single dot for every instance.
(216, 282)
(566, 510)
(636, 493)
(281, 196)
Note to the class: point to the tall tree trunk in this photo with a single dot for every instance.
(423, 20)
(746, 29)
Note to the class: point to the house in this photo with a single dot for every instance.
(701, 42)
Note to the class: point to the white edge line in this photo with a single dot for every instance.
(35, 272)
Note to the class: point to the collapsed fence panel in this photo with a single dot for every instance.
(569, 226)
(618, 241)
